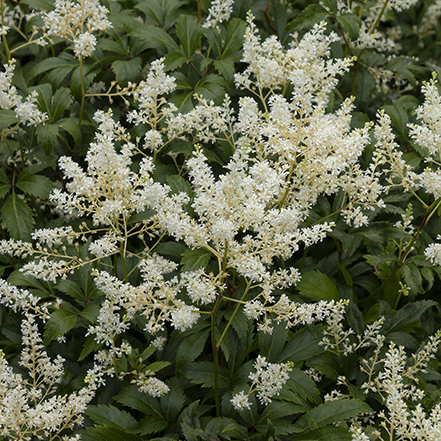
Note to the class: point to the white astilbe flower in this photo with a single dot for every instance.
(220, 10)
(240, 401)
(433, 253)
(428, 132)
(267, 382)
(304, 64)
(155, 298)
(30, 403)
(26, 108)
(152, 104)
(152, 386)
(76, 21)
(389, 158)
(200, 287)
(396, 383)
(109, 324)
(85, 44)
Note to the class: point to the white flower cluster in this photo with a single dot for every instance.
(76, 21)
(26, 109)
(31, 405)
(267, 382)
(155, 298)
(396, 384)
(220, 10)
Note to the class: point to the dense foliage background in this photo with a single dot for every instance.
(220, 220)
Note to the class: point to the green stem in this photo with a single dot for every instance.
(83, 95)
(5, 42)
(239, 302)
(215, 356)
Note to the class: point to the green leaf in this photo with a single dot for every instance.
(110, 416)
(60, 103)
(365, 85)
(90, 345)
(234, 38)
(325, 434)
(330, 413)
(70, 125)
(225, 67)
(47, 135)
(203, 373)
(412, 277)
(5, 186)
(303, 387)
(60, 322)
(173, 249)
(150, 424)
(318, 286)
(302, 346)
(270, 345)
(155, 37)
(409, 314)
(7, 118)
(158, 365)
(107, 434)
(63, 64)
(311, 15)
(18, 218)
(174, 60)
(173, 401)
(127, 70)
(33, 184)
(192, 260)
(189, 33)
(192, 344)
(133, 398)
(350, 23)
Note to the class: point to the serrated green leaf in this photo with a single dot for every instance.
(64, 63)
(192, 260)
(158, 365)
(409, 314)
(60, 322)
(89, 346)
(60, 103)
(70, 125)
(35, 185)
(17, 218)
(234, 38)
(318, 286)
(155, 37)
(127, 70)
(365, 85)
(5, 186)
(47, 135)
(271, 345)
(107, 434)
(174, 60)
(412, 277)
(172, 402)
(350, 23)
(302, 346)
(189, 33)
(203, 373)
(225, 67)
(110, 416)
(7, 118)
(331, 412)
(312, 14)
(150, 424)
(193, 343)
(325, 434)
